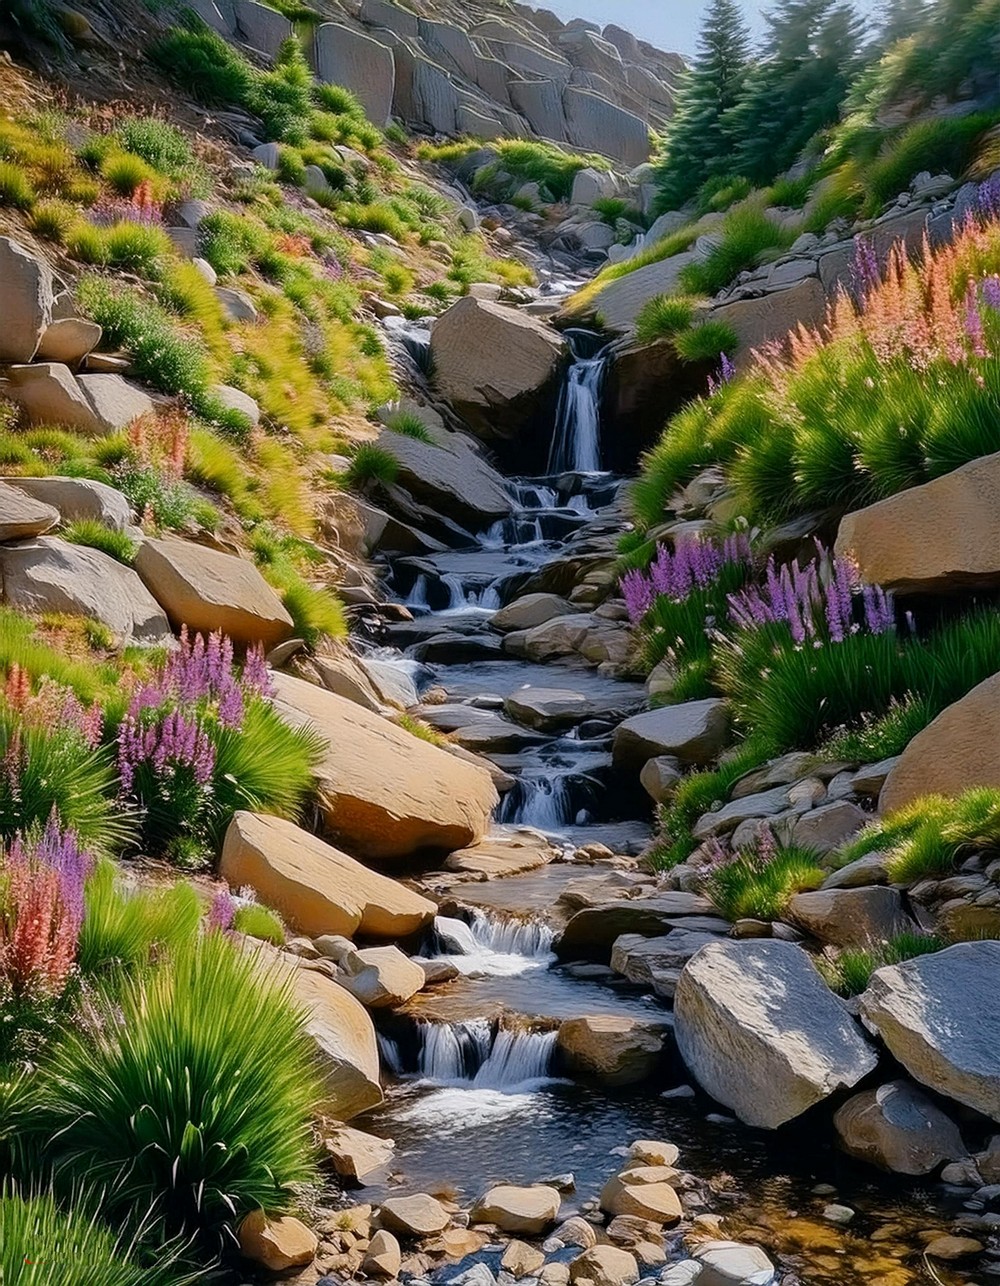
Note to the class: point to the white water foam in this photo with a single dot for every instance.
(576, 443)
(494, 947)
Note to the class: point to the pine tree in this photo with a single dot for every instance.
(901, 18)
(812, 52)
(696, 145)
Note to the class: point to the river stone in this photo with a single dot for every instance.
(277, 1243)
(561, 636)
(864, 871)
(659, 777)
(617, 1050)
(654, 1152)
(531, 610)
(694, 732)
(938, 537)
(656, 1202)
(380, 977)
(522, 1260)
(77, 498)
(346, 1049)
(950, 1247)
(605, 1266)
(383, 792)
(25, 301)
(592, 931)
(419, 1215)
(50, 575)
(644, 961)
(860, 917)
(383, 1258)
(521, 1210)
(898, 1128)
(21, 516)
(555, 709)
(763, 1034)
(956, 751)
(732, 1263)
(940, 1018)
(316, 888)
(357, 1156)
(577, 1232)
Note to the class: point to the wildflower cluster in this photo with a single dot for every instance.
(159, 439)
(141, 207)
(52, 705)
(692, 565)
(817, 602)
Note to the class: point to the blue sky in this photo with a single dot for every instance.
(670, 24)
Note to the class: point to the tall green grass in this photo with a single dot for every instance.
(747, 235)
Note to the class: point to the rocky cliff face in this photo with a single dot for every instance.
(476, 69)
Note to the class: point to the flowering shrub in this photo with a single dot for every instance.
(187, 740)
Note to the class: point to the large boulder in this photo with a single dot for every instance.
(593, 931)
(25, 301)
(49, 575)
(620, 302)
(68, 340)
(939, 1015)
(278, 1242)
(693, 732)
(76, 498)
(380, 977)
(260, 26)
(771, 316)
(898, 1128)
(763, 1034)
(48, 393)
(451, 477)
(942, 537)
(418, 1215)
(316, 888)
(956, 751)
(365, 66)
(646, 1192)
(531, 610)
(616, 1050)
(861, 917)
(344, 1036)
(605, 1266)
(522, 1210)
(595, 125)
(500, 370)
(115, 401)
(21, 516)
(384, 792)
(207, 590)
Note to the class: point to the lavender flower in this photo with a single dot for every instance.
(61, 852)
(256, 676)
(991, 293)
(221, 912)
(987, 199)
(865, 273)
(694, 564)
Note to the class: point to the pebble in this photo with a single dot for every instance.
(679, 1091)
(838, 1214)
(717, 1118)
(824, 1190)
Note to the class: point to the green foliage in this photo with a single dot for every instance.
(160, 145)
(126, 929)
(410, 425)
(36, 1234)
(758, 888)
(93, 532)
(882, 736)
(52, 220)
(721, 191)
(946, 144)
(202, 62)
(850, 971)
(20, 645)
(171, 506)
(56, 772)
(790, 193)
(187, 1114)
(747, 236)
(123, 172)
(421, 730)
(707, 342)
(371, 464)
(261, 922)
(231, 242)
(663, 317)
(15, 187)
(316, 611)
(339, 101)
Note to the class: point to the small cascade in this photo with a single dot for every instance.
(489, 946)
(472, 1055)
(545, 803)
(576, 443)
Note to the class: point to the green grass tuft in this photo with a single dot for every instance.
(93, 532)
(753, 887)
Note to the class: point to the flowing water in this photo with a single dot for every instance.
(475, 1092)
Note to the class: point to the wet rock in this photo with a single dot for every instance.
(936, 537)
(941, 1023)
(450, 475)
(552, 710)
(21, 516)
(951, 1248)
(419, 1215)
(592, 931)
(76, 498)
(762, 1033)
(521, 1210)
(357, 1156)
(502, 855)
(380, 977)
(605, 1266)
(659, 777)
(207, 590)
(898, 1128)
(530, 610)
(316, 888)
(732, 1263)
(276, 1243)
(694, 732)
(850, 917)
(385, 793)
(522, 1260)
(383, 1257)
(577, 1232)
(655, 1202)
(956, 751)
(615, 1049)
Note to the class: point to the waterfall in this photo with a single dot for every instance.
(576, 443)
(543, 802)
(494, 947)
(474, 1055)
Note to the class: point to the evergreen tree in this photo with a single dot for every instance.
(696, 145)
(901, 18)
(812, 52)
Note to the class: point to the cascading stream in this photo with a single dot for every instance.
(490, 946)
(576, 443)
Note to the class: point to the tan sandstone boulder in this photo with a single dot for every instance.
(384, 792)
(938, 538)
(956, 751)
(25, 301)
(605, 1266)
(207, 590)
(419, 1215)
(316, 888)
(277, 1243)
(380, 977)
(383, 1257)
(21, 516)
(616, 1049)
(656, 1201)
(522, 1210)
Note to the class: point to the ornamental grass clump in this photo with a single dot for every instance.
(188, 1098)
(201, 739)
(758, 882)
(849, 972)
